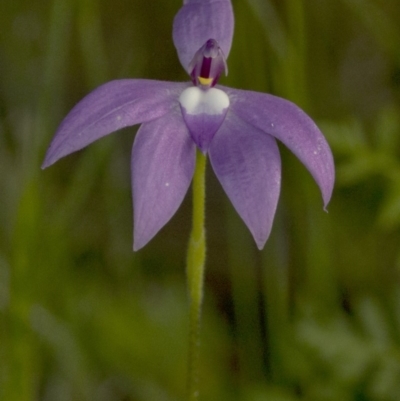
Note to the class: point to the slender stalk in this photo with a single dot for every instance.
(195, 275)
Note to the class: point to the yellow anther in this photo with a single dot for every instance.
(205, 81)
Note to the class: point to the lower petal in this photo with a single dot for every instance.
(247, 163)
(163, 160)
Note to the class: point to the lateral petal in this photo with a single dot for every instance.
(163, 161)
(112, 106)
(200, 20)
(247, 163)
(287, 122)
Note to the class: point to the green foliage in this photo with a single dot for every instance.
(315, 316)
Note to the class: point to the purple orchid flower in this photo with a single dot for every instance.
(236, 128)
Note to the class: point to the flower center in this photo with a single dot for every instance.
(207, 64)
(204, 112)
(197, 101)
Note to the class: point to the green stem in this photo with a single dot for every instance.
(195, 275)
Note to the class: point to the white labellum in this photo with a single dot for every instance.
(212, 101)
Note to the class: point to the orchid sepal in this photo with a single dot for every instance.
(198, 21)
(289, 124)
(110, 107)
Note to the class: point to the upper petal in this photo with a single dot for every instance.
(112, 106)
(288, 123)
(200, 20)
(247, 164)
(163, 160)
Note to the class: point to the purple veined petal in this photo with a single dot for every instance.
(247, 163)
(112, 106)
(204, 112)
(163, 161)
(198, 21)
(292, 126)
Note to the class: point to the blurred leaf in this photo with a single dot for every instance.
(70, 359)
(365, 166)
(380, 24)
(346, 138)
(389, 215)
(387, 131)
(373, 321)
(264, 392)
(337, 348)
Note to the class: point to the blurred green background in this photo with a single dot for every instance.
(315, 316)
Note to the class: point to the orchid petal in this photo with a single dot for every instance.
(247, 163)
(198, 21)
(163, 160)
(114, 105)
(288, 123)
(203, 111)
